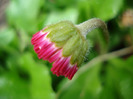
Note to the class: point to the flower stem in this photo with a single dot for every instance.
(92, 24)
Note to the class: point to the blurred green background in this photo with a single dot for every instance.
(24, 76)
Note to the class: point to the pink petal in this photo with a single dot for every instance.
(55, 56)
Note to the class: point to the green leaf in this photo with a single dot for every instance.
(24, 14)
(109, 88)
(12, 87)
(25, 79)
(63, 3)
(103, 9)
(127, 65)
(6, 36)
(40, 87)
(86, 85)
(70, 14)
(120, 78)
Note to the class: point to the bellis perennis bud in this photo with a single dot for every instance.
(64, 44)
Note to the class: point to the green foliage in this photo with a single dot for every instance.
(6, 36)
(86, 85)
(119, 79)
(11, 86)
(115, 83)
(24, 76)
(58, 15)
(40, 79)
(13, 83)
(23, 14)
(103, 9)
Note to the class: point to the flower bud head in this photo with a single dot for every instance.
(63, 45)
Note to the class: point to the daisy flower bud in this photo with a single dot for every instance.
(63, 44)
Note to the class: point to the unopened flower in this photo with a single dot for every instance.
(63, 44)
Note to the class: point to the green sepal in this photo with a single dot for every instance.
(71, 45)
(60, 44)
(83, 52)
(56, 26)
(62, 35)
(67, 37)
(59, 33)
(76, 53)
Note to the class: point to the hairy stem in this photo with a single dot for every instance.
(106, 57)
(92, 24)
(103, 36)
